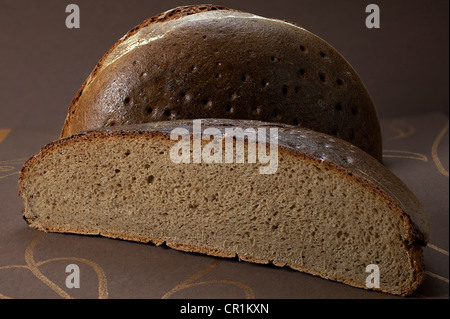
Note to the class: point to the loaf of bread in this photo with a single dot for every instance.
(207, 61)
(328, 208)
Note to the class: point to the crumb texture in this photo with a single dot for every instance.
(308, 215)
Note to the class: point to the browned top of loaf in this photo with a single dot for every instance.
(209, 61)
(334, 153)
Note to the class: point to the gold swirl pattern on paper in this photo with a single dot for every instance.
(33, 266)
(431, 274)
(405, 154)
(401, 128)
(4, 133)
(190, 282)
(434, 151)
(442, 251)
(11, 167)
(7, 167)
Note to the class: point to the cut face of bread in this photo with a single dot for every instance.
(328, 208)
(212, 62)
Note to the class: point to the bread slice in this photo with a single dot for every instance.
(208, 61)
(328, 209)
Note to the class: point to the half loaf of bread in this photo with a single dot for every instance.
(207, 61)
(328, 209)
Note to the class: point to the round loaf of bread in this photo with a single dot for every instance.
(207, 61)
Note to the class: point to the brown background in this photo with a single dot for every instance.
(404, 64)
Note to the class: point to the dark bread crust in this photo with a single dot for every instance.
(173, 14)
(336, 155)
(248, 68)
